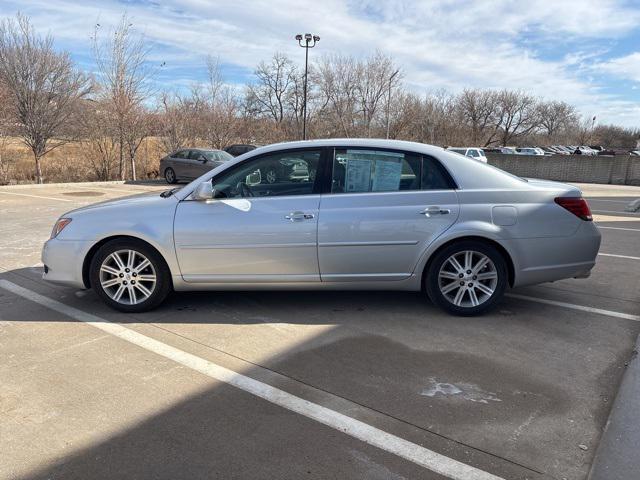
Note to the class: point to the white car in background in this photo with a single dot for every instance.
(472, 152)
(529, 151)
(584, 150)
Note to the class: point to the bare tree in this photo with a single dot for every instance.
(555, 116)
(219, 108)
(6, 123)
(337, 79)
(268, 95)
(479, 112)
(517, 115)
(177, 122)
(98, 141)
(616, 136)
(44, 86)
(126, 76)
(374, 77)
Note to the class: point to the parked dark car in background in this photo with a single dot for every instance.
(190, 163)
(239, 149)
(601, 150)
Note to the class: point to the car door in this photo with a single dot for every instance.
(203, 162)
(253, 231)
(196, 164)
(384, 209)
(179, 163)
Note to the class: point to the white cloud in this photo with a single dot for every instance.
(439, 44)
(627, 67)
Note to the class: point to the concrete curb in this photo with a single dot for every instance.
(617, 455)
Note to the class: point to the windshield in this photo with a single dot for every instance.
(217, 155)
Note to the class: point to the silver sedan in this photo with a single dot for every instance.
(331, 214)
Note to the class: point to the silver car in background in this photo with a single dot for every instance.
(472, 152)
(340, 214)
(190, 163)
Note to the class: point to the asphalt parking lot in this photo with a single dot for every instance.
(311, 385)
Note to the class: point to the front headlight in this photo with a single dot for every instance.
(59, 226)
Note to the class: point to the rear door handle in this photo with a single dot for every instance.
(430, 211)
(299, 216)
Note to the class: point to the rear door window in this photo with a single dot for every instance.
(358, 171)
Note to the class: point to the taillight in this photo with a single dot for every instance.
(576, 205)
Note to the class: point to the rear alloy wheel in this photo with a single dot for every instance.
(130, 276)
(467, 278)
(170, 176)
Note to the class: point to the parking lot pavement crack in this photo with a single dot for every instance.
(356, 403)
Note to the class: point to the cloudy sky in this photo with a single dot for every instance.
(586, 52)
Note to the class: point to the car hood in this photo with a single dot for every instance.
(138, 200)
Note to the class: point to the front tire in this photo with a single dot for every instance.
(130, 276)
(170, 176)
(467, 278)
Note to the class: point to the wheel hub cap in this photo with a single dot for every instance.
(468, 279)
(127, 277)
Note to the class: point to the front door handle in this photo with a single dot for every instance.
(430, 211)
(299, 216)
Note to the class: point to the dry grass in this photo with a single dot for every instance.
(68, 163)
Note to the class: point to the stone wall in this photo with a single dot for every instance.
(620, 169)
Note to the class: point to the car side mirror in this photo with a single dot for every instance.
(218, 194)
(203, 192)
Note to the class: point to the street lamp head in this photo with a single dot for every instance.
(308, 37)
(298, 37)
(316, 38)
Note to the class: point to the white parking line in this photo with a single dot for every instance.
(37, 196)
(617, 212)
(621, 228)
(619, 256)
(417, 454)
(602, 200)
(600, 311)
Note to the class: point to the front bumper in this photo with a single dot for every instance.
(63, 261)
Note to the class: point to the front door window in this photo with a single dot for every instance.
(278, 174)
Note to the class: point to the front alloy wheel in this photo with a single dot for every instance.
(467, 278)
(129, 275)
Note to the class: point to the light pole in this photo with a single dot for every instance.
(307, 41)
(389, 99)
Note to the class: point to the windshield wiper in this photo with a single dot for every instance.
(168, 193)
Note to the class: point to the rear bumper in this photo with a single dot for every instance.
(63, 261)
(539, 260)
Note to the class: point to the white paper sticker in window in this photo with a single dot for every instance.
(358, 175)
(387, 175)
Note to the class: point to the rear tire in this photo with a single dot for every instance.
(467, 278)
(170, 176)
(130, 276)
